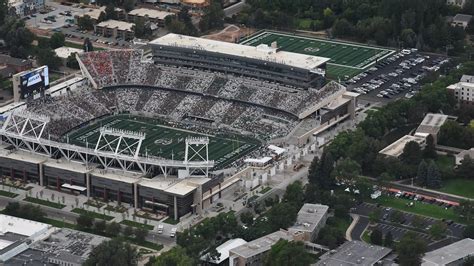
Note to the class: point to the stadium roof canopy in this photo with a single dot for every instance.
(261, 52)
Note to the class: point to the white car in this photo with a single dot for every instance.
(160, 229)
(173, 231)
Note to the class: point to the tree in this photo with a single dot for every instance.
(99, 226)
(388, 240)
(408, 37)
(468, 231)
(376, 237)
(418, 221)
(342, 27)
(433, 176)
(140, 234)
(430, 151)
(128, 231)
(175, 256)
(49, 58)
(140, 28)
(465, 210)
(113, 252)
(110, 11)
(375, 215)
(128, 5)
(87, 46)
(396, 216)
(294, 193)
(213, 17)
(246, 218)
(411, 153)
(84, 221)
(57, 40)
(85, 23)
(411, 250)
(71, 61)
(113, 229)
(288, 253)
(466, 168)
(422, 173)
(347, 169)
(438, 229)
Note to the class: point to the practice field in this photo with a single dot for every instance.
(166, 141)
(347, 59)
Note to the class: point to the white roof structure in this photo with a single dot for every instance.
(116, 24)
(396, 149)
(309, 217)
(432, 123)
(276, 149)
(65, 52)
(450, 253)
(263, 160)
(261, 245)
(225, 248)
(261, 52)
(151, 13)
(19, 226)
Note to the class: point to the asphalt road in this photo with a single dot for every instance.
(359, 228)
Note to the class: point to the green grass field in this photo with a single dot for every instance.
(166, 141)
(420, 208)
(461, 187)
(347, 59)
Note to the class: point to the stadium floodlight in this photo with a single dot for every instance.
(24, 123)
(123, 141)
(197, 151)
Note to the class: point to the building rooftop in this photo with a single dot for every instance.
(116, 24)
(174, 185)
(261, 52)
(68, 165)
(467, 78)
(354, 253)
(126, 177)
(151, 13)
(462, 18)
(224, 249)
(22, 156)
(261, 244)
(309, 217)
(432, 123)
(65, 52)
(396, 149)
(450, 253)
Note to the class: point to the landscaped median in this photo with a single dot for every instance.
(45, 203)
(92, 214)
(7, 194)
(137, 224)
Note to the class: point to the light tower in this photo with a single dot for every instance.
(196, 153)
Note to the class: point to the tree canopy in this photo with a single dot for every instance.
(285, 253)
(113, 252)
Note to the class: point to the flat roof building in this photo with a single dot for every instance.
(155, 16)
(223, 251)
(461, 20)
(263, 61)
(354, 253)
(396, 148)
(460, 156)
(451, 255)
(115, 29)
(431, 125)
(463, 91)
(311, 218)
(254, 252)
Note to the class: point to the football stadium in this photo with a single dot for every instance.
(346, 59)
(169, 131)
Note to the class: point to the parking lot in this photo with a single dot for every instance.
(365, 209)
(399, 232)
(396, 76)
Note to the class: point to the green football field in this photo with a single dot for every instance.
(165, 141)
(347, 59)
